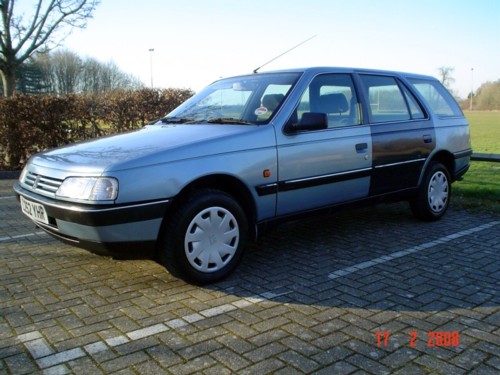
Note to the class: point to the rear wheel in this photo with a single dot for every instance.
(433, 197)
(204, 237)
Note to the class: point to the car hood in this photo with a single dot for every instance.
(154, 144)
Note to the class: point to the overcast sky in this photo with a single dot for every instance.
(198, 41)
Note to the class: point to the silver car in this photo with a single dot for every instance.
(248, 152)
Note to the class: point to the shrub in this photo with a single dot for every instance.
(32, 123)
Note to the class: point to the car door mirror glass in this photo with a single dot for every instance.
(311, 121)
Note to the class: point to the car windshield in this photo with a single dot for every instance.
(252, 99)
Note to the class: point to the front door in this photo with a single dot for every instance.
(323, 167)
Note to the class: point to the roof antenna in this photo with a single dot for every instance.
(298, 45)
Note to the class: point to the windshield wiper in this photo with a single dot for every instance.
(221, 120)
(228, 120)
(175, 120)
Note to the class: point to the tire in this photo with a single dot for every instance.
(204, 238)
(433, 196)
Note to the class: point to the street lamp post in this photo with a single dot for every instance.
(471, 87)
(151, 50)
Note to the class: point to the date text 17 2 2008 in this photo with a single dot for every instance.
(434, 338)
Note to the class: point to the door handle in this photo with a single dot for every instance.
(427, 138)
(361, 147)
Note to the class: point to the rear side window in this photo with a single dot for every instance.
(437, 97)
(388, 101)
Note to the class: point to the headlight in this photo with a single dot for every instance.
(89, 188)
(23, 174)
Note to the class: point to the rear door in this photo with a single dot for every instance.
(323, 167)
(402, 133)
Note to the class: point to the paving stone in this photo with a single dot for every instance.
(439, 365)
(235, 343)
(298, 361)
(300, 346)
(339, 368)
(124, 362)
(230, 359)
(400, 357)
(196, 365)
(367, 364)
(199, 349)
(267, 337)
(20, 364)
(264, 352)
(166, 357)
(484, 370)
(267, 366)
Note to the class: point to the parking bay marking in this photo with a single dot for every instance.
(18, 236)
(398, 254)
(46, 357)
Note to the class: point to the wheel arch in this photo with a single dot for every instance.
(444, 157)
(227, 184)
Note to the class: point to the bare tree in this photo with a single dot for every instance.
(64, 72)
(445, 74)
(20, 38)
(61, 70)
(97, 77)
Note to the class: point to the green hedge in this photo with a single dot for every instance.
(32, 123)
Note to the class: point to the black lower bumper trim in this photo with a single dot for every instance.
(125, 250)
(98, 215)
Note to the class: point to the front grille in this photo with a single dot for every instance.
(42, 184)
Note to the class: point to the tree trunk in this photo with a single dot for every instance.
(9, 82)
(12, 154)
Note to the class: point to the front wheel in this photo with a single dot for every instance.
(433, 196)
(204, 237)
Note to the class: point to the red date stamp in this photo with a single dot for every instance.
(434, 338)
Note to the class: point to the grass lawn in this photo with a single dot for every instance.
(480, 188)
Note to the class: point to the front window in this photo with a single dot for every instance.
(251, 100)
(334, 95)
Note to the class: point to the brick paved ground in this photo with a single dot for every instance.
(373, 291)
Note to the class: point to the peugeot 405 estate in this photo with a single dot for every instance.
(247, 152)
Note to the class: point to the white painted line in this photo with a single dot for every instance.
(118, 340)
(18, 236)
(214, 311)
(148, 331)
(7, 197)
(193, 318)
(39, 348)
(45, 357)
(177, 323)
(60, 357)
(96, 347)
(398, 254)
(30, 336)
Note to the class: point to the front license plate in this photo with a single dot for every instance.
(34, 211)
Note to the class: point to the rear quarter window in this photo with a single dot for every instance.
(437, 97)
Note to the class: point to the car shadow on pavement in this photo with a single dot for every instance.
(377, 258)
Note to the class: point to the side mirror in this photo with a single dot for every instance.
(312, 121)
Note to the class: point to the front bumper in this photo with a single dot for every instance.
(102, 228)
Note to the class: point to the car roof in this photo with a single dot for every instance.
(332, 69)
